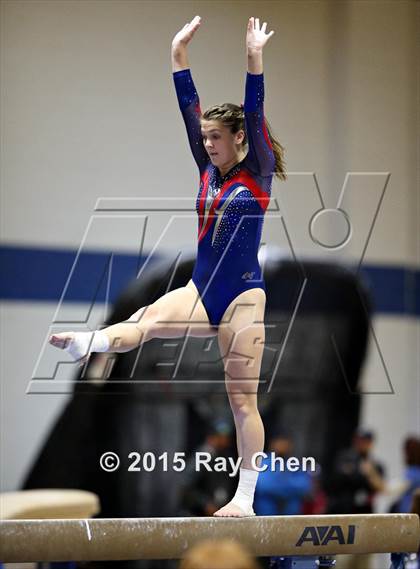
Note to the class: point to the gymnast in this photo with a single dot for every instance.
(237, 157)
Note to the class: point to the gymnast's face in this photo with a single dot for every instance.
(222, 146)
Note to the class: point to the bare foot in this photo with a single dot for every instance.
(64, 340)
(231, 510)
(61, 340)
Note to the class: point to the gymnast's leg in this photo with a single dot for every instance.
(241, 341)
(175, 314)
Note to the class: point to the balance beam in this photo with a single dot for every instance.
(169, 538)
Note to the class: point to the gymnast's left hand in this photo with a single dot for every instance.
(256, 38)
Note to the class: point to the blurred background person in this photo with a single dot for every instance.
(355, 480)
(406, 488)
(218, 554)
(315, 503)
(356, 477)
(205, 492)
(280, 492)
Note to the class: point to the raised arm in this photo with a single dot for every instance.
(188, 100)
(260, 157)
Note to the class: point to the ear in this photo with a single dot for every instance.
(239, 136)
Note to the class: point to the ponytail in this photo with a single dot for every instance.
(278, 151)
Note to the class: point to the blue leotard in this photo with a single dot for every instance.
(230, 208)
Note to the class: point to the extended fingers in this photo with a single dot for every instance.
(254, 24)
(195, 21)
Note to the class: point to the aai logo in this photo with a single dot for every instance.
(323, 535)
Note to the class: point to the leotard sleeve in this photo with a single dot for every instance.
(260, 158)
(189, 104)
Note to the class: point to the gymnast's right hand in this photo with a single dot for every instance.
(185, 35)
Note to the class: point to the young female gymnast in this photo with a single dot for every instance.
(226, 294)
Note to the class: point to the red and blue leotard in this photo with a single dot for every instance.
(230, 208)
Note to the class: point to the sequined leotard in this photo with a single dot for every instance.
(230, 208)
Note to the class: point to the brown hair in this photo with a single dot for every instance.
(412, 451)
(232, 116)
(218, 554)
